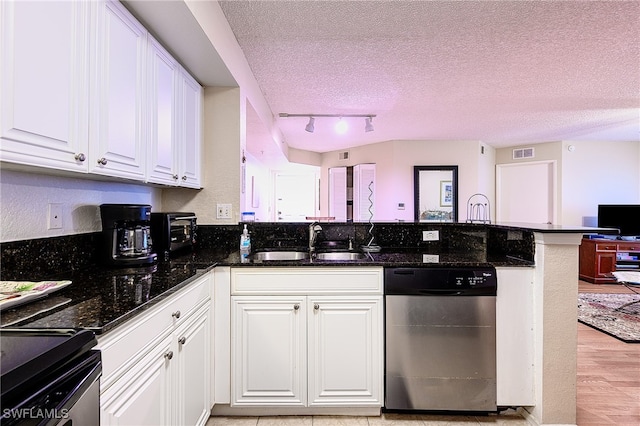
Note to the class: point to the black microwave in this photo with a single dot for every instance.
(172, 232)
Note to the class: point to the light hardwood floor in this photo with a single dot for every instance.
(608, 373)
(608, 388)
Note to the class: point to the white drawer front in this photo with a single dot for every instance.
(306, 280)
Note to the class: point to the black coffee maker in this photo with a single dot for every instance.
(126, 232)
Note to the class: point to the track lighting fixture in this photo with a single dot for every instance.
(368, 127)
(341, 127)
(309, 127)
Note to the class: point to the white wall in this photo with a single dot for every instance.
(592, 173)
(598, 173)
(394, 172)
(25, 198)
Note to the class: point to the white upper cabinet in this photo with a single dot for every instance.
(190, 130)
(338, 193)
(117, 139)
(44, 77)
(86, 89)
(175, 108)
(162, 106)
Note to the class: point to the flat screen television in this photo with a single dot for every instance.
(625, 217)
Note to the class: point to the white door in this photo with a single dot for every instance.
(338, 193)
(345, 351)
(364, 192)
(296, 196)
(526, 192)
(268, 355)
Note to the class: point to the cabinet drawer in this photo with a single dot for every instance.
(606, 247)
(629, 247)
(122, 347)
(306, 280)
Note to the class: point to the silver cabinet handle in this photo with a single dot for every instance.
(175, 177)
(168, 355)
(296, 306)
(316, 306)
(80, 157)
(102, 161)
(184, 178)
(176, 314)
(182, 340)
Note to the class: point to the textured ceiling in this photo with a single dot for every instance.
(501, 72)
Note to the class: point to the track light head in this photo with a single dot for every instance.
(310, 127)
(368, 127)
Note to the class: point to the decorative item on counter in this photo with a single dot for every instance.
(478, 209)
(370, 247)
(14, 293)
(245, 245)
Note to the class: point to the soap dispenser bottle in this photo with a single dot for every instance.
(245, 245)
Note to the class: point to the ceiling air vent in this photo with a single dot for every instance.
(343, 155)
(521, 153)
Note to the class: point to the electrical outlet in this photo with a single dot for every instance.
(430, 258)
(54, 216)
(430, 235)
(223, 211)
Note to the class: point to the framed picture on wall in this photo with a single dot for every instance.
(446, 193)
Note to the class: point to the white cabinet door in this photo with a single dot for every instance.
(44, 77)
(268, 353)
(345, 351)
(143, 396)
(193, 369)
(162, 109)
(117, 139)
(190, 127)
(364, 192)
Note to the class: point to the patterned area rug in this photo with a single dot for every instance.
(599, 310)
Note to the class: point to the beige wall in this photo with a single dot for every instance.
(394, 172)
(222, 149)
(592, 173)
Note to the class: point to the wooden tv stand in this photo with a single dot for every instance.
(600, 257)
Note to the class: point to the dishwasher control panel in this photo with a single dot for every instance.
(428, 281)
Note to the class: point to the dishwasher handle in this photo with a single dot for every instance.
(441, 292)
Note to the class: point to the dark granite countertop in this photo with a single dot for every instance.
(395, 258)
(99, 298)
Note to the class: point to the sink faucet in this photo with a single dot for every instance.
(314, 229)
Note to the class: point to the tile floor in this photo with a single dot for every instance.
(508, 418)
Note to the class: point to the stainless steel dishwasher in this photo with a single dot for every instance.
(440, 339)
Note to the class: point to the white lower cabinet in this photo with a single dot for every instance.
(156, 370)
(307, 349)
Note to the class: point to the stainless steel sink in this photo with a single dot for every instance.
(281, 255)
(340, 255)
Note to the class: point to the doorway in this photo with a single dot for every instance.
(296, 196)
